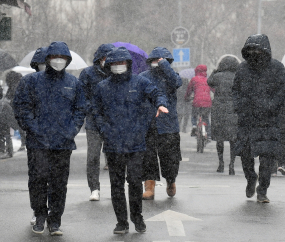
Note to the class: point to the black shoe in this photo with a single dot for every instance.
(121, 228)
(250, 188)
(194, 132)
(282, 170)
(262, 198)
(54, 230)
(220, 168)
(39, 227)
(140, 226)
(6, 156)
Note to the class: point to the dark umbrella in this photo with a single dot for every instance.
(6, 61)
(138, 55)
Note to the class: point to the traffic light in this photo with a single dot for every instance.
(6, 28)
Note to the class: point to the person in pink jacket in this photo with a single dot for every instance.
(202, 99)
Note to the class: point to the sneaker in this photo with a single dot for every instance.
(95, 196)
(6, 156)
(33, 220)
(39, 227)
(262, 198)
(282, 170)
(250, 188)
(54, 230)
(140, 226)
(121, 228)
(274, 174)
(194, 131)
(106, 167)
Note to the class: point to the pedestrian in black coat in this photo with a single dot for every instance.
(223, 118)
(258, 93)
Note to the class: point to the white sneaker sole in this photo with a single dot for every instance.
(38, 232)
(57, 233)
(121, 232)
(94, 199)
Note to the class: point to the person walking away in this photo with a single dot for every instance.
(50, 106)
(7, 121)
(223, 118)
(13, 79)
(89, 79)
(186, 75)
(258, 94)
(202, 99)
(162, 139)
(119, 114)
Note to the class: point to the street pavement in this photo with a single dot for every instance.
(208, 206)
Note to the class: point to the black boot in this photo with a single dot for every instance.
(221, 167)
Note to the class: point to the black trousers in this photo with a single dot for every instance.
(167, 148)
(94, 142)
(118, 164)
(48, 170)
(265, 168)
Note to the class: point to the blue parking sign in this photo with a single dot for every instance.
(181, 57)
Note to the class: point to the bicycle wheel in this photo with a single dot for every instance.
(200, 141)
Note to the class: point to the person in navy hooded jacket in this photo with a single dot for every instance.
(50, 106)
(119, 115)
(163, 137)
(89, 78)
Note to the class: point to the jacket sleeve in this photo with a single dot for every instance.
(97, 110)
(156, 97)
(23, 105)
(212, 81)
(79, 111)
(236, 93)
(278, 99)
(85, 84)
(173, 79)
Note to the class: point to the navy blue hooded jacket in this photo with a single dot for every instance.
(118, 106)
(50, 105)
(39, 58)
(90, 77)
(167, 81)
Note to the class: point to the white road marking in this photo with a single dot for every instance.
(173, 221)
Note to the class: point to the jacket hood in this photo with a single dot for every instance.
(201, 70)
(228, 63)
(102, 51)
(257, 42)
(118, 54)
(59, 48)
(160, 52)
(39, 57)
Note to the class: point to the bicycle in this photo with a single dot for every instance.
(201, 134)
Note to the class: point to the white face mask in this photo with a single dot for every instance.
(58, 63)
(42, 67)
(154, 64)
(119, 69)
